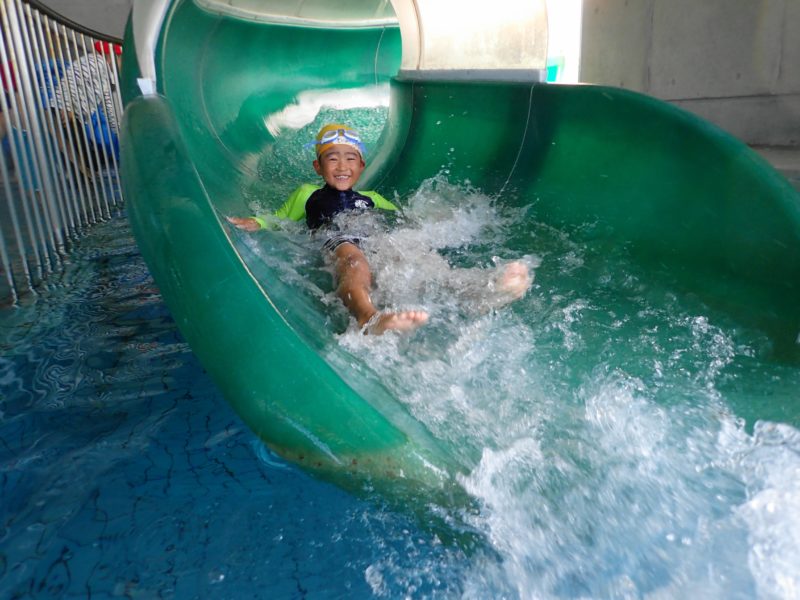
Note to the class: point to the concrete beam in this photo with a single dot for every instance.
(104, 16)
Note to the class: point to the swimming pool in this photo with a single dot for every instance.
(601, 472)
(126, 474)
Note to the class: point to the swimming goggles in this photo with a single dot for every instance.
(339, 136)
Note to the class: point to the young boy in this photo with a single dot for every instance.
(340, 162)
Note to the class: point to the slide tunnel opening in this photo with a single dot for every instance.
(344, 59)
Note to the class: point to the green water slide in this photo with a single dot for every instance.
(197, 145)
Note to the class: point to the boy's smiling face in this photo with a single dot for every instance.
(340, 166)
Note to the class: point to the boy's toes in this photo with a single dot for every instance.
(406, 320)
(515, 279)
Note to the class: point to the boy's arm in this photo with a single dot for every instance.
(294, 209)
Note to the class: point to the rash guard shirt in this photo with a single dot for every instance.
(327, 202)
(295, 206)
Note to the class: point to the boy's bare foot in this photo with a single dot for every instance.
(514, 280)
(406, 320)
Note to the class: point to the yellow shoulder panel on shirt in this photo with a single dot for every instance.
(295, 206)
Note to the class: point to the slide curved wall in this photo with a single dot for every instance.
(671, 187)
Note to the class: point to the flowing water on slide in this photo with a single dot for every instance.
(596, 417)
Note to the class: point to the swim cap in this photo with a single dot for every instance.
(336, 133)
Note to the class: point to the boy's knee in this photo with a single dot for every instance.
(353, 267)
(351, 263)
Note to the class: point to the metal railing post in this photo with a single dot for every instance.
(59, 127)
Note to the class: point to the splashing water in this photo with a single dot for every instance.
(612, 429)
(595, 419)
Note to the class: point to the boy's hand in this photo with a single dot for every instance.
(246, 223)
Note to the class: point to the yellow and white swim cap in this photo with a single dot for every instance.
(337, 133)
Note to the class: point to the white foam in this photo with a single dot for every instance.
(771, 470)
(309, 103)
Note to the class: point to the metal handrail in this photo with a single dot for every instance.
(59, 128)
(72, 25)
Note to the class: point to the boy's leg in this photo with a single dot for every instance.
(354, 283)
(479, 290)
